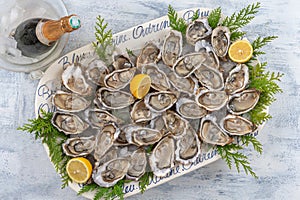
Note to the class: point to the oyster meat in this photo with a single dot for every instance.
(141, 136)
(175, 124)
(119, 79)
(237, 125)
(114, 99)
(138, 164)
(159, 80)
(210, 77)
(161, 159)
(187, 85)
(243, 102)
(68, 123)
(197, 30)
(79, 146)
(237, 80)
(160, 101)
(98, 118)
(140, 113)
(96, 71)
(212, 100)
(212, 59)
(172, 48)
(149, 54)
(220, 40)
(189, 109)
(69, 102)
(122, 62)
(74, 80)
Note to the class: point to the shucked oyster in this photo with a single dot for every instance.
(114, 99)
(188, 108)
(160, 101)
(149, 54)
(119, 78)
(68, 123)
(111, 172)
(197, 30)
(187, 85)
(237, 80)
(161, 159)
(237, 125)
(220, 40)
(212, 100)
(79, 146)
(140, 113)
(69, 102)
(96, 71)
(159, 80)
(212, 59)
(138, 163)
(175, 124)
(210, 77)
(99, 118)
(141, 136)
(74, 80)
(172, 48)
(243, 102)
(121, 62)
(211, 133)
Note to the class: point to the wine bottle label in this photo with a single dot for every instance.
(40, 35)
(74, 22)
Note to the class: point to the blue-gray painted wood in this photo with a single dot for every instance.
(26, 172)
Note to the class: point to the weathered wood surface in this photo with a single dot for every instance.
(26, 172)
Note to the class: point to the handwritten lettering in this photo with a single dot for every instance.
(141, 31)
(74, 58)
(129, 188)
(119, 39)
(44, 92)
(188, 15)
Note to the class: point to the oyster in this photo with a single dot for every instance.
(237, 125)
(158, 123)
(114, 99)
(69, 102)
(119, 79)
(197, 30)
(188, 108)
(96, 71)
(149, 54)
(68, 123)
(121, 62)
(160, 101)
(138, 164)
(211, 133)
(187, 85)
(161, 159)
(159, 80)
(140, 113)
(187, 147)
(212, 59)
(99, 118)
(121, 139)
(175, 124)
(212, 100)
(220, 40)
(111, 172)
(105, 139)
(210, 77)
(111, 154)
(141, 136)
(237, 80)
(243, 102)
(79, 146)
(74, 80)
(172, 47)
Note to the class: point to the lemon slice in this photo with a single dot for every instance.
(79, 169)
(240, 51)
(140, 85)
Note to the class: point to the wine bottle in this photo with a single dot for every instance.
(38, 36)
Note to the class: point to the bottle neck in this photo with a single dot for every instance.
(49, 31)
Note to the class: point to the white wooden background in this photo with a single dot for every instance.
(27, 174)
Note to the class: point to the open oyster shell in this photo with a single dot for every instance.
(69, 102)
(187, 85)
(141, 113)
(237, 125)
(189, 109)
(96, 71)
(172, 47)
(79, 146)
(114, 99)
(149, 54)
(220, 40)
(119, 79)
(212, 100)
(98, 118)
(175, 124)
(141, 136)
(209, 77)
(237, 80)
(121, 62)
(160, 101)
(197, 30)
(138, 163)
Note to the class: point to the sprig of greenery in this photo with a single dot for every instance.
(176, 23)
(214, 17)
(144, 181)
(250, 139)
(196, 15)
(43, 129)
(229, 153)
(259, 42)
(103, 37)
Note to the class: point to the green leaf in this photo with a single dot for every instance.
(176, 23)
(214, 17)
(144, 181)
(196, 15)
(237, 35)
(247, 139)
(259, 43)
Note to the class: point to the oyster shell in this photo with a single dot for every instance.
(159, 80)
(172, 47)
(114, 99)
(69, 102)
(187, 147)
(140, 113)
(220, 40)
(111, 154)
(212, 100)
(99, 118)
(175, 124)
(149, 54)
(243, 102)
(79, 146)
(74, 80)
(212, 59)
(161, 159)
(160, 101)
(237, 125)
(197, 30)
(158, 123)
(210, 77)
(68, 123)
(121, 62)
(119, 79)
(211, 133)
(96, 71)
(105, 139)
(187, 85)
(237, 80)
(138, 164)
(188, 108)
(111, 172)
(141, 136)
(121, 139)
